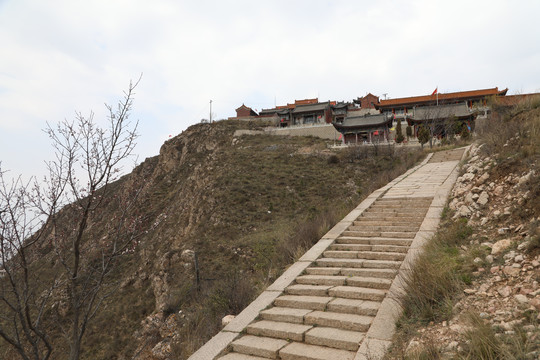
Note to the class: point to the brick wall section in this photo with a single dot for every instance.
(367, 101)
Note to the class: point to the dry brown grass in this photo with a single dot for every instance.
(484, 343)
(437, 275)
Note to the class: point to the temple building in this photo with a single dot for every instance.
(370, 119)
(366, 104)
(473, 99)
(359, 129)
(302, 112)
(245, 111)
(441, 119)
(339, 111)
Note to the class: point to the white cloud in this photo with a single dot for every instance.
(60, 56)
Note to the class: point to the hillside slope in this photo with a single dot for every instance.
(220, 218)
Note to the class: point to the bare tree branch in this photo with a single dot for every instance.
(52, 217)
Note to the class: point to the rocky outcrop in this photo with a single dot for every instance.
(505, 290)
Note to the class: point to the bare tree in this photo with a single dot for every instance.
(434, 120)
(44, 228)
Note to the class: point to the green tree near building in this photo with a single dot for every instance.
(465, 133)
(399, 132)
(408, 131)
(423, 135)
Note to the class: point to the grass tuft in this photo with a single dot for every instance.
(484, 343)
(437, 275)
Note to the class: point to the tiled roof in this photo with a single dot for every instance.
(306, 101)
(461, 95)
(441, 112)
(363, 122)
(244, 107)
(311, 107)
(340, 105)
(297, 103)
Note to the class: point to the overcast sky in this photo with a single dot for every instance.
(62, 56)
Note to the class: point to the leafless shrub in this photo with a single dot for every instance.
(53, 218)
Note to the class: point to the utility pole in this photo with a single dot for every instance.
(210, 111)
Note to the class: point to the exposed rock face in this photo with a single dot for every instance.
(501, 246)
(483, 198)
(226, 320)
(508, 289)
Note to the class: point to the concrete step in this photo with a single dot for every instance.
(352, 240)
(259, 346)
(391, 241)
(386, 228)
(373, 241)
(390, 248)
(321, 280)
(375, 255)
(278, 330)
(359, 293)
(339, 320)
(390, 210)
(369, 282)
(370, 255)
(237, 356)
(391, 216)
(381, 264)
(389, 222)
(354, 306)
(373, 273)
(310, 290)
(341, 254)
(334, 338)
(350, 247)
(377, 248)
(286, 314)
(399, 235)
(405, 202)
(380, 219)
(382, 234)
(331, 262)
(396, 207)
(303, 302)
(299, 351)
(322, 271)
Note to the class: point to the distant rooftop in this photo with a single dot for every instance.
(441, 97)
(300, 104)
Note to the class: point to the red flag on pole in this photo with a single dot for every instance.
(435, 91)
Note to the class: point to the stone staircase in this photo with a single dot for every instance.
(339, 301)
(449, 155)
(326, 312)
